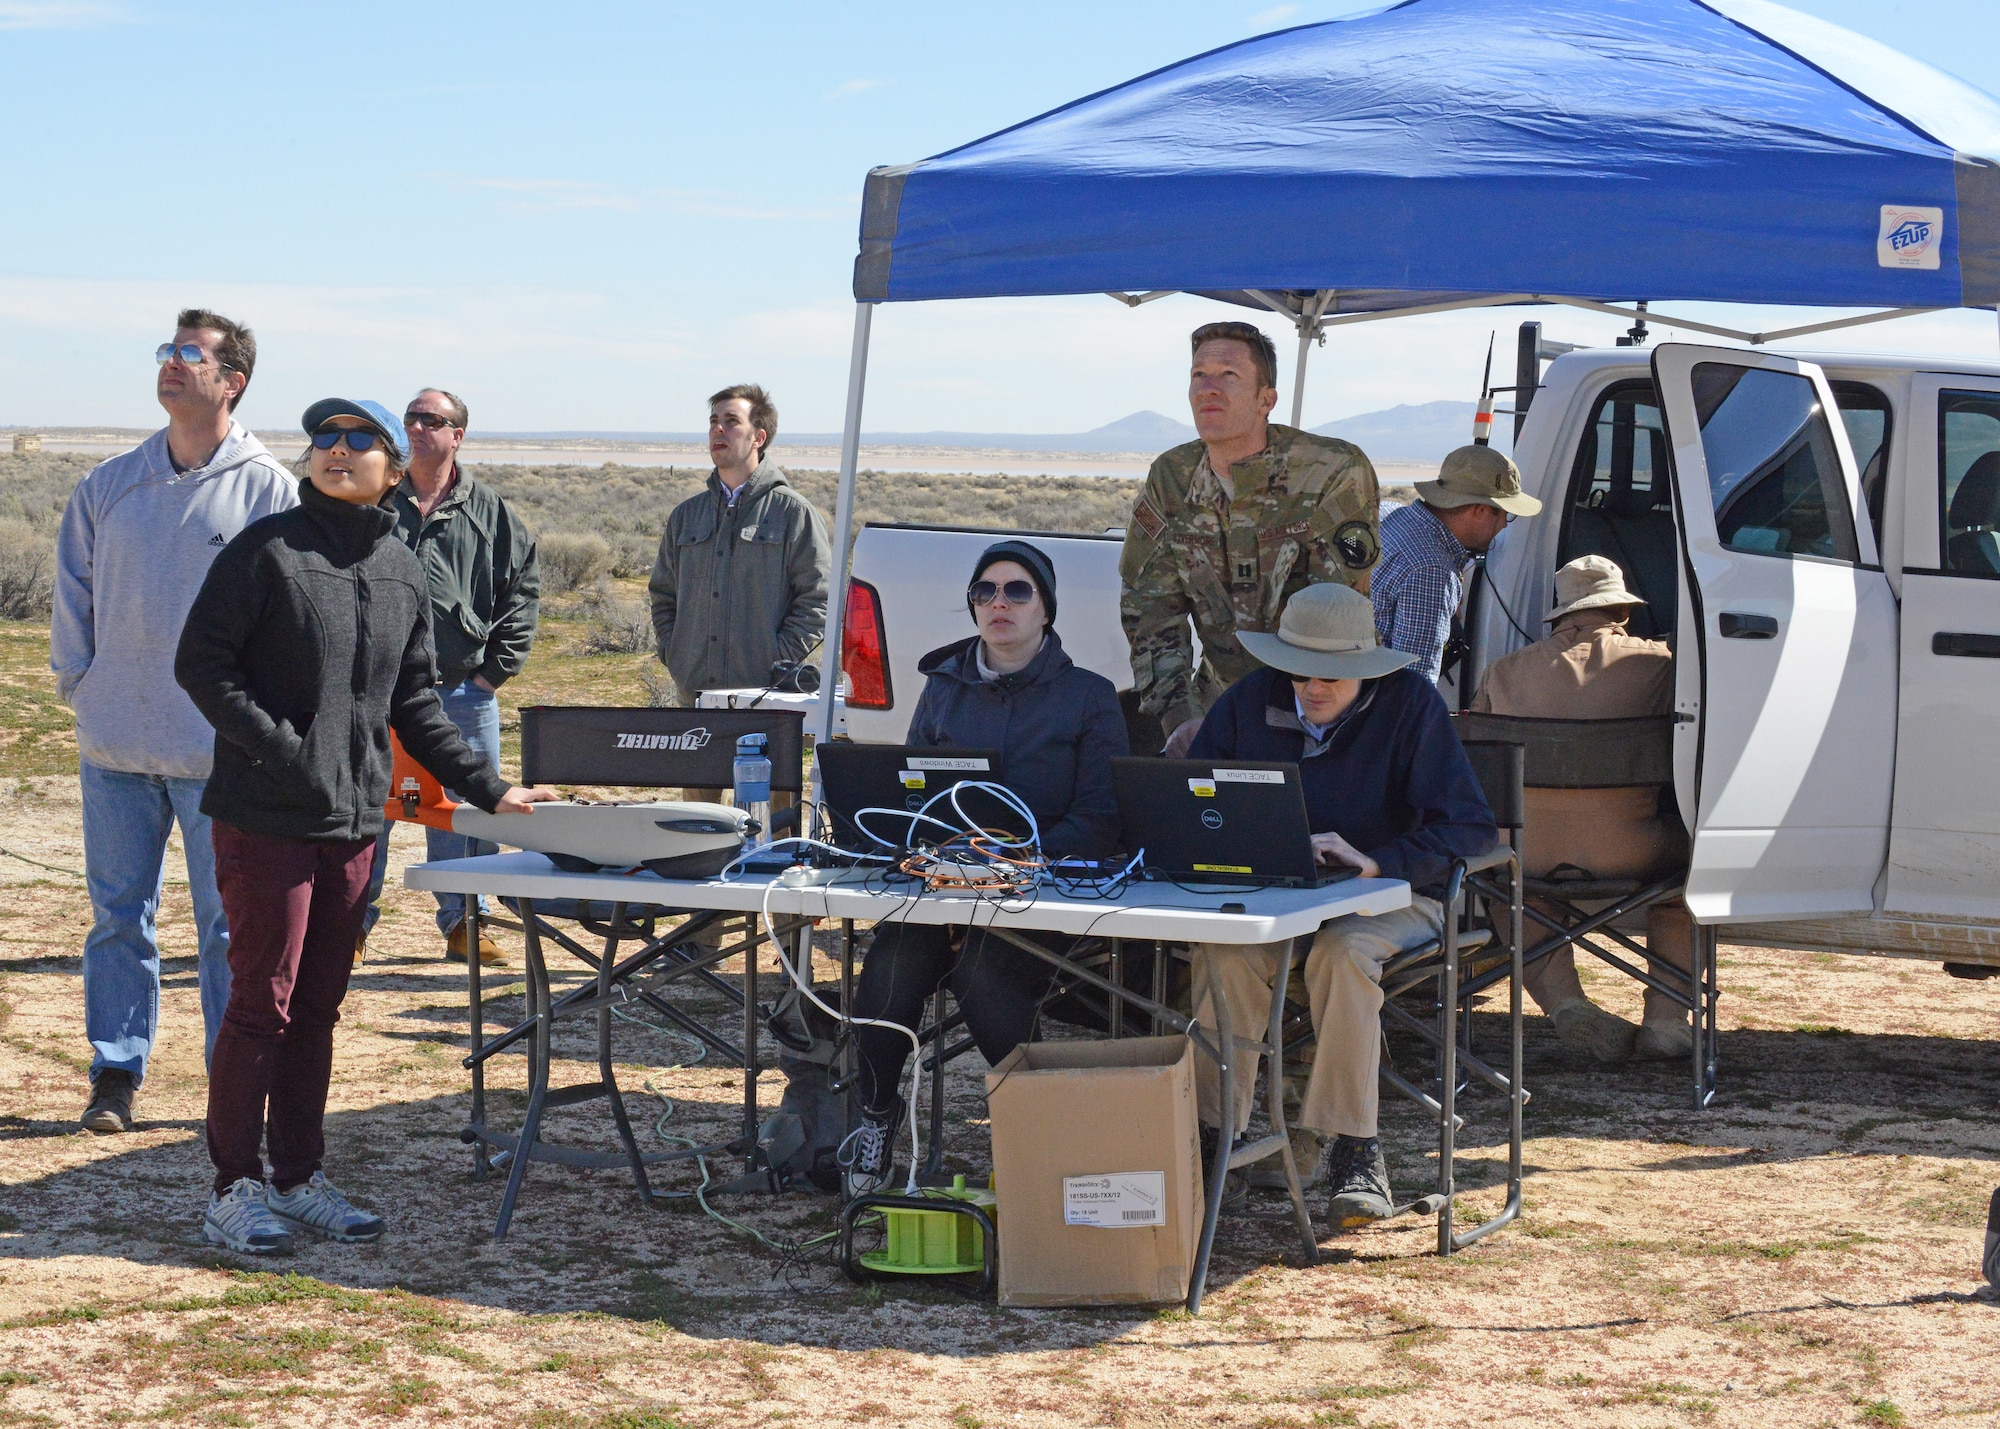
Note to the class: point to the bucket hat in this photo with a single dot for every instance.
(1481, 476)
(373, 413)
(1327, 632)
(1587, 583)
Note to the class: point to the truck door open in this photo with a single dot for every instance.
(1785, 689)
(1944, 850)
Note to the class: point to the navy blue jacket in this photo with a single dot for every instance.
(1057, 729)
(1390, 777)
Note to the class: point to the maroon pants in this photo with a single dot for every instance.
(294, 908)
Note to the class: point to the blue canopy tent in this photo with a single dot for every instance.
(1443, 154)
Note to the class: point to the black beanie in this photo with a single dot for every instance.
(1041, 570)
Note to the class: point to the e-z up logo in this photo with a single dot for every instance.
(1909, 237)
(686, 742)
(1211, 818)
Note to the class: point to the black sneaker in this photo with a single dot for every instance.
(1359, 1179)
(110, 1108)
(867, 1158)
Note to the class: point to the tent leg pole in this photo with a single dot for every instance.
(1299, 376)
(843, 521)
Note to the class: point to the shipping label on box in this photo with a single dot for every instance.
(1123, 1199)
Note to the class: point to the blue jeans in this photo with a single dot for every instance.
(126, 820)
(476, 712)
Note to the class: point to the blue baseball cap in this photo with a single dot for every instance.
(373, 413)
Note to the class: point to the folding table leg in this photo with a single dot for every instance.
(752, 1156)
(1274, 1098)
(538, 1070)
(482, 1165)
(1448, 1064)
(1225, 1142)
(604, 1071)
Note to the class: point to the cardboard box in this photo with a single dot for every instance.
(1097, 1167)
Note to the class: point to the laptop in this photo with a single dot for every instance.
(1234, 821)
(896, 778)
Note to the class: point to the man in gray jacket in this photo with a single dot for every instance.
(740, 582)
(137, 538)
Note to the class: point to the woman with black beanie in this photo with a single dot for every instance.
(1057, 727)
(309, 641)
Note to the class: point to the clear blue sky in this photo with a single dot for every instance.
(589, 216)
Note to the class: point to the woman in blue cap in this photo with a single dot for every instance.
(1057, 727)
(309, 641)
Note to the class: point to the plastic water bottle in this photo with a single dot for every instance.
(753, 785)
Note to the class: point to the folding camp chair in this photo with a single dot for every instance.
(1584, 913)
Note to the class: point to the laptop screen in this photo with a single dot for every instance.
(1219, 821)
(880, 790)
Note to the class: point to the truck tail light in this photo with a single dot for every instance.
(864, 649)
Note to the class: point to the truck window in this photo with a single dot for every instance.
(1773, 474)
(1620, 503)
(1969, 499)
(1864, 411)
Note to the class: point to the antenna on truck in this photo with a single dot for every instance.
(1482, 419)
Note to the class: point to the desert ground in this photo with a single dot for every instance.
(1805, 1252)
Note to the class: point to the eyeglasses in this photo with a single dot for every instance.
(359, 439)
(189, 353)
(429, 421)
(1017, 592)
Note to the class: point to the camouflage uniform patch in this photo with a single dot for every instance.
(1227, 555)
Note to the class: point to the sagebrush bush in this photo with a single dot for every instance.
(571, 560)
(616, 627)
(27, 572)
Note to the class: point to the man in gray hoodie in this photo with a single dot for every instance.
(137, 538)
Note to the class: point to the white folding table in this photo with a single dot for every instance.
(1160, 911)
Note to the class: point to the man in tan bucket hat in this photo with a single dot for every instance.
(1389, 792)
(1591, 667)
(1426, 546)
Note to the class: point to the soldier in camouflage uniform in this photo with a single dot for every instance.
(1293, 510)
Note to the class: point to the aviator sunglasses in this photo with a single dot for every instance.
(189, 353)
(429, 421)
(1017, 592)
(359, 439)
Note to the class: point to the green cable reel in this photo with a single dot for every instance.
(939, 1242)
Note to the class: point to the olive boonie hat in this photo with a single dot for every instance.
(1588, 583)
(1477, 475)
(373, 413)
(1326, 633)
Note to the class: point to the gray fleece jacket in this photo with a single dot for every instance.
(136, 542)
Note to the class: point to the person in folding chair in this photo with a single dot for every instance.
(1389, 792)
(1057, 727)
(1591, 667)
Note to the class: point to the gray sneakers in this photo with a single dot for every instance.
(867, 1158)
(240, 1220)
(317, 1206)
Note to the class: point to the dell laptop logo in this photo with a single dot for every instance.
(1211, 819)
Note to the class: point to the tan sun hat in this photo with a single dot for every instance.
(1326, 633)
(1477, 475)
(1588, 583)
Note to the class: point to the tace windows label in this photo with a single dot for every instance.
(1910, 237)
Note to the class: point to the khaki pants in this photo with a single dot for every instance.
(1343, 979)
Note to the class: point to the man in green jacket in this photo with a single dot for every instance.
(740, 582)
(485, 595)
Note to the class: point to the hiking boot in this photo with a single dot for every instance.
(1359, 1179)
(110, 1109)
(1308, 1152)
(1663, 1041)
(316, 1206)
(867, 1158)
(240, 1220)
(1585, 1027)
(1235, 1184)
(489, 951)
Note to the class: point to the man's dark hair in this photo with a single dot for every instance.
(459, 416)
(238, 349)
(763, 412)
(1263, 351)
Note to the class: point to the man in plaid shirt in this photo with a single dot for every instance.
(1426, 545)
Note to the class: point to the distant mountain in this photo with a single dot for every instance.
(1423, 432)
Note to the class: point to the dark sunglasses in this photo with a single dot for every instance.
(429, 421)
(1017, 592)
(189, 353)
(359, 439)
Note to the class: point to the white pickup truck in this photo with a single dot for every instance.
(1831, 590)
